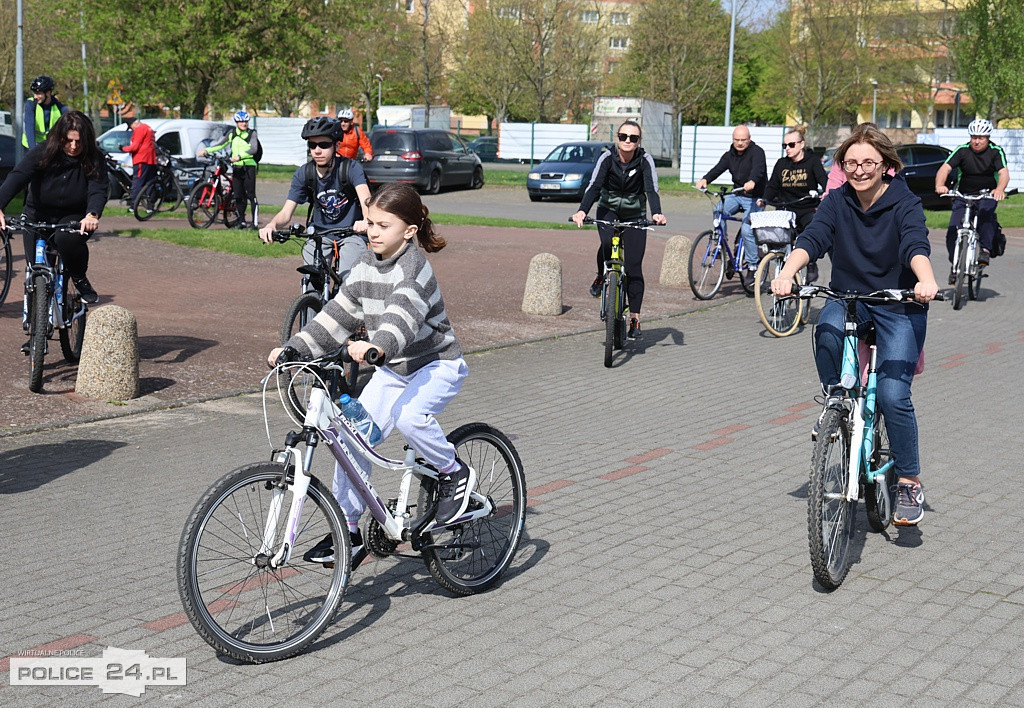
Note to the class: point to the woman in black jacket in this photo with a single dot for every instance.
(623, 182)
(67, 181)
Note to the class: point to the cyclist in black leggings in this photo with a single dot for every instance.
(623, 182)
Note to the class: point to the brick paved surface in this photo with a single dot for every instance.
(665, 560)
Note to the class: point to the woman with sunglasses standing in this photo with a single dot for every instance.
(874, 231)
(793, 179)
(624, 180)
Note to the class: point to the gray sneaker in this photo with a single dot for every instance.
(909, 504)
(453, 491)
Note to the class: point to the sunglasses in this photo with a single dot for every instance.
(792, 145)
(322, 144)
(627, 138)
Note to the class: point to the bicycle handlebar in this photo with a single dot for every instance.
(20, 223)
(299, 232)
(813, 195)
(877, 297)
(984, 194)
(720, 192)
(289, 355)
(616, 224)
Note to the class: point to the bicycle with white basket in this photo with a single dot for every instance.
(241, 577)
(775, 233)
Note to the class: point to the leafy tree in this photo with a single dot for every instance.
(988, 54)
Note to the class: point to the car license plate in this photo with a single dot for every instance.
(551, 186)
(388, 158)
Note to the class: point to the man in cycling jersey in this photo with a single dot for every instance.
(982, 165)
(244, 145)
(41, 112)
(746, 162)
(352, 138)
(336, 189)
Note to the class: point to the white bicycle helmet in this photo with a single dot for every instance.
(241, 117)
(980, 126)
(346, 114)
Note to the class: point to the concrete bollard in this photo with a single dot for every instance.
(543, 294)
(109, 368)
(674, 266)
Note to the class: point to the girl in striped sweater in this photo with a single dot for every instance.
(392, 291)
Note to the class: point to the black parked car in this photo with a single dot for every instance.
(486, 146)
(428, 159)
(921, 163)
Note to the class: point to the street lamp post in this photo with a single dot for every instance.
(874, 102)
(728, 83)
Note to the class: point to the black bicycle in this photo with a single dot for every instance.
(320, 283)
(163, 192)
(51, 302)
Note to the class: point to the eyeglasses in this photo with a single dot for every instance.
(627, 138)
(322, 144)
(792, 145)
(344, 120)
(868, 166)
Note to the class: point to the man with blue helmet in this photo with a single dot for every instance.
(244, 148)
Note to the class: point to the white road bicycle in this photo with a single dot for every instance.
(241, 574)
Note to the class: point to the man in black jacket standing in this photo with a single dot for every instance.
(745, 161)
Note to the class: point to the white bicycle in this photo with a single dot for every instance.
(241, 576)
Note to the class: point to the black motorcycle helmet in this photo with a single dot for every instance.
(321, 125)
(42, 84)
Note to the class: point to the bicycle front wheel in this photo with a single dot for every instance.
(39, 314)
(781, 317)
(203, 205)
(830, 517)
(6, 269)
(880, 495)
(72, 336)
(150, 201)
(470, 558)
(959, 284)
(239, 604)
(706, 267)
(612, 312)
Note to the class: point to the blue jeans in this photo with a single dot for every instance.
(737, 202)
(986, 224)
(141, 176)
(900, 338)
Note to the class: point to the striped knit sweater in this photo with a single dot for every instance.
(399, 302)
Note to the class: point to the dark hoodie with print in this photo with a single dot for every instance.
(870, 250)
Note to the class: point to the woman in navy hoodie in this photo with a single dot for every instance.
(873, 229)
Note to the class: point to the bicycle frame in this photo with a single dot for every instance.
(617, 262)
(323, 420)
(48, 264)
(719, 222)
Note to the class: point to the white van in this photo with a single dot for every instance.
(182, 137)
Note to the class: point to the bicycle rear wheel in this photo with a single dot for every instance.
(781, 317)
(470, 558)
(39, 331)
(239, 604)
(72, 336)
(880, 496)
(6, 269)
(706, 267)
(203, 205)
(830, 517)
(149, 201)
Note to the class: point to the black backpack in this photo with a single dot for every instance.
(344, 184)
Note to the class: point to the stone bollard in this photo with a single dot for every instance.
(543, 294)
(109, 368)
(674, 266)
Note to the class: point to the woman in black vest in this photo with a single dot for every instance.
(624, 180)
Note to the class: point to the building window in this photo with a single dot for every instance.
(947, 118)
(894, 119)
(619, 43)
(620, 18)
(590, 16)
(410, 5)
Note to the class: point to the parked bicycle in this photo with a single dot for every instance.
(50, 302)
(775, 233)
(968, 269)
(211, 198)
(241, 576)
(711, 259)
(614, 305)
(851, 457)
(119, 180)
(163, 192)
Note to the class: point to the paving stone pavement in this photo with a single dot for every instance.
(665, 559)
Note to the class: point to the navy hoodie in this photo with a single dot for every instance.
(869, 250)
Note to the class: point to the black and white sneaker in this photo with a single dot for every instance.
(634, 332)
(453, 489)
(322, 552)
(358, 548)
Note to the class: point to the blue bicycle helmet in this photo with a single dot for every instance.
(241, 117)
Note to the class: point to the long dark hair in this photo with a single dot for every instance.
(404, 202)
(53, 152)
